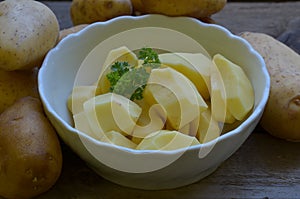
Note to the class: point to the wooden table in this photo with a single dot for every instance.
(264, 167)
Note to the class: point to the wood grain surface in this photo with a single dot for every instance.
(264, 167)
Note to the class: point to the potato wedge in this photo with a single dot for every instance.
(166, 140)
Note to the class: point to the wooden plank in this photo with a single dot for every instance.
(269, 18)
(62, 12)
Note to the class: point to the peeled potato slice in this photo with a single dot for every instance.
(110, 112)
(79, 95)
(122, 54)
(208, 127)
(82, 124)
(119, 139)
(195, 67)
(166, 140)
(177, 95)
(219, 105)
(239, 91)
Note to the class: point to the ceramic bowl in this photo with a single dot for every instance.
(146, 169)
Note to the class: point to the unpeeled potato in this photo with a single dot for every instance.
(29, 29)
(281, 117)
(193, 8)
(65, 32)
(17, 84)
(89, 11)
(30, 153)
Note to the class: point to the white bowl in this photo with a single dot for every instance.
(147, 169)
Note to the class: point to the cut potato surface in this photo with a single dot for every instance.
(167, 140)
(79, 95)
(119, 139)
(196, 67)
(177, 95)
(184, 99)
(208, 129)
(82, 124)
(122, 54)
(152, 118)
(219, 106)
(238, 88)
(110, 112)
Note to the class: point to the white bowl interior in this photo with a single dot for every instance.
(56, 80)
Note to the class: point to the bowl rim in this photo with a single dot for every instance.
(256, 113)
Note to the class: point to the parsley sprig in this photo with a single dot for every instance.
(149, 56)
(118, 69)
(130, 81)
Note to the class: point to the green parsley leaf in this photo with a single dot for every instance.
(118, 70)
(130, 81)
(149, 56)
(132, 84)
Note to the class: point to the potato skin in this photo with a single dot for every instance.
(89, 11)
(17, 84)
(65, 32)
(281, 117)
(30, 153)
(29, 29)
(192, 8)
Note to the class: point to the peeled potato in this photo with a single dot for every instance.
(166, 140)
(119, 139)
(111, 112)
(208, 127)
(29, 29)
(79, 95)
(177, 95)
(193, 8)
(281, 117)
(196, 67)
(238, 88)
(219, 106)
(89, 11)
(121, 54)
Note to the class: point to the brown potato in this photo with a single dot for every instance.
(281, 117)
(89, 11)
(17, 84)
(193, 8)
(29, 29)
(65, 32)
(30, 153)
